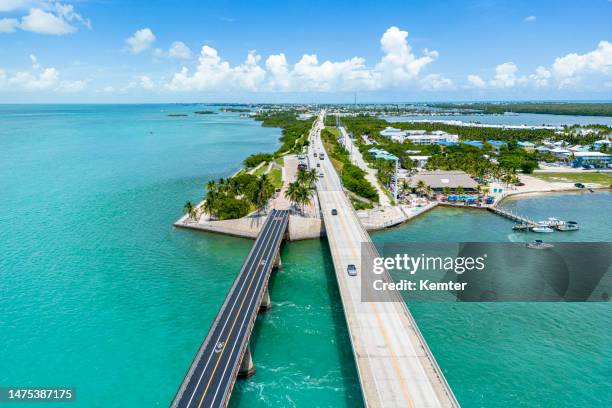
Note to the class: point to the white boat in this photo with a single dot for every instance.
(568, 226)
(542, 229)
(539, 244)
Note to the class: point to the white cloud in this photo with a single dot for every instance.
(42, 22)
(43, 17)
(596, 61)
(141, 40)
(436, 82)
(529, 19)
(10, 5)
(179, 50)
(541, 77)
(505, 75)
(476, 81)
(145, 82)
(39, 78)
(572, 70)
(8, 25)
(399, 63)
(398, 68)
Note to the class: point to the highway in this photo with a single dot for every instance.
(395, 365)
(211, 376)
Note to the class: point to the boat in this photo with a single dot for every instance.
(539, 244)
(521, 227)
(542, 229)
(568, 226)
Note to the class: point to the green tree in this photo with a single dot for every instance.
(189, 209)
(260, 192)
(459, 190)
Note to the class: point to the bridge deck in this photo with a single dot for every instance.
(395, 366)
(212, 374)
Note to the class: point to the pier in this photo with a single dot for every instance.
(224, 353)
(512, 216)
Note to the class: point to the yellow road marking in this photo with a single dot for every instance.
(231, 328)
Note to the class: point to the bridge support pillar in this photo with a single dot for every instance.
(277, 263)
(247, 368)
(266, 303)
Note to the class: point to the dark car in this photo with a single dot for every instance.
(351, 270)
(579, 185)
(334, 211)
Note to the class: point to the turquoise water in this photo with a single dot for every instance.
(99, 292)
(532, 119)
(518, 354)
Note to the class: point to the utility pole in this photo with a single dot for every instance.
(396, 177)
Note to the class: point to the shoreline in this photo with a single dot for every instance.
(305, 228)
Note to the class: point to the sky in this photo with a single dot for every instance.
(111, 51)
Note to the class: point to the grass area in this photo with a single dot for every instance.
(338, 165)
(280, 161)
(333, 130)
(599, 178)
(360, 205)
(275, 176)
(261, 170)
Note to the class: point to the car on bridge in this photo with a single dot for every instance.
(351, 270)
(334, 211)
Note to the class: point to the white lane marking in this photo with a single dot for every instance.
(258, 250)
(272, 250)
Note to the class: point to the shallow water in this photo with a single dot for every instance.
(99, 292)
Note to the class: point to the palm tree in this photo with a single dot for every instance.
(312, 177)
(293, 192)
(405, 186)
(428, 191)
(459, 190)
(421, 187)
(211, 185)
(304, 197)
(188, 209)
(301, 176)
(261, 192)
(210, 203)
(446, 190)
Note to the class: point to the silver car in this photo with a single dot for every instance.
(351, 270)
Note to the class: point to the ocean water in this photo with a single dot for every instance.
(99, 292)
(518, 354)
(531, 119)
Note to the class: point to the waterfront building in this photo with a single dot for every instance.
(597, 159)
(419, 137)
(600, 143)
(439, 179)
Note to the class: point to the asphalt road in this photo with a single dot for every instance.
(212, 374)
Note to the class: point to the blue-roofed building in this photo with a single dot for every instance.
(600, 143)
(382, 154)
(475, 143)
(497, 144)
(447, 143)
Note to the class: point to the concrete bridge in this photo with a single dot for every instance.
(225, 353)
(395, 366)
